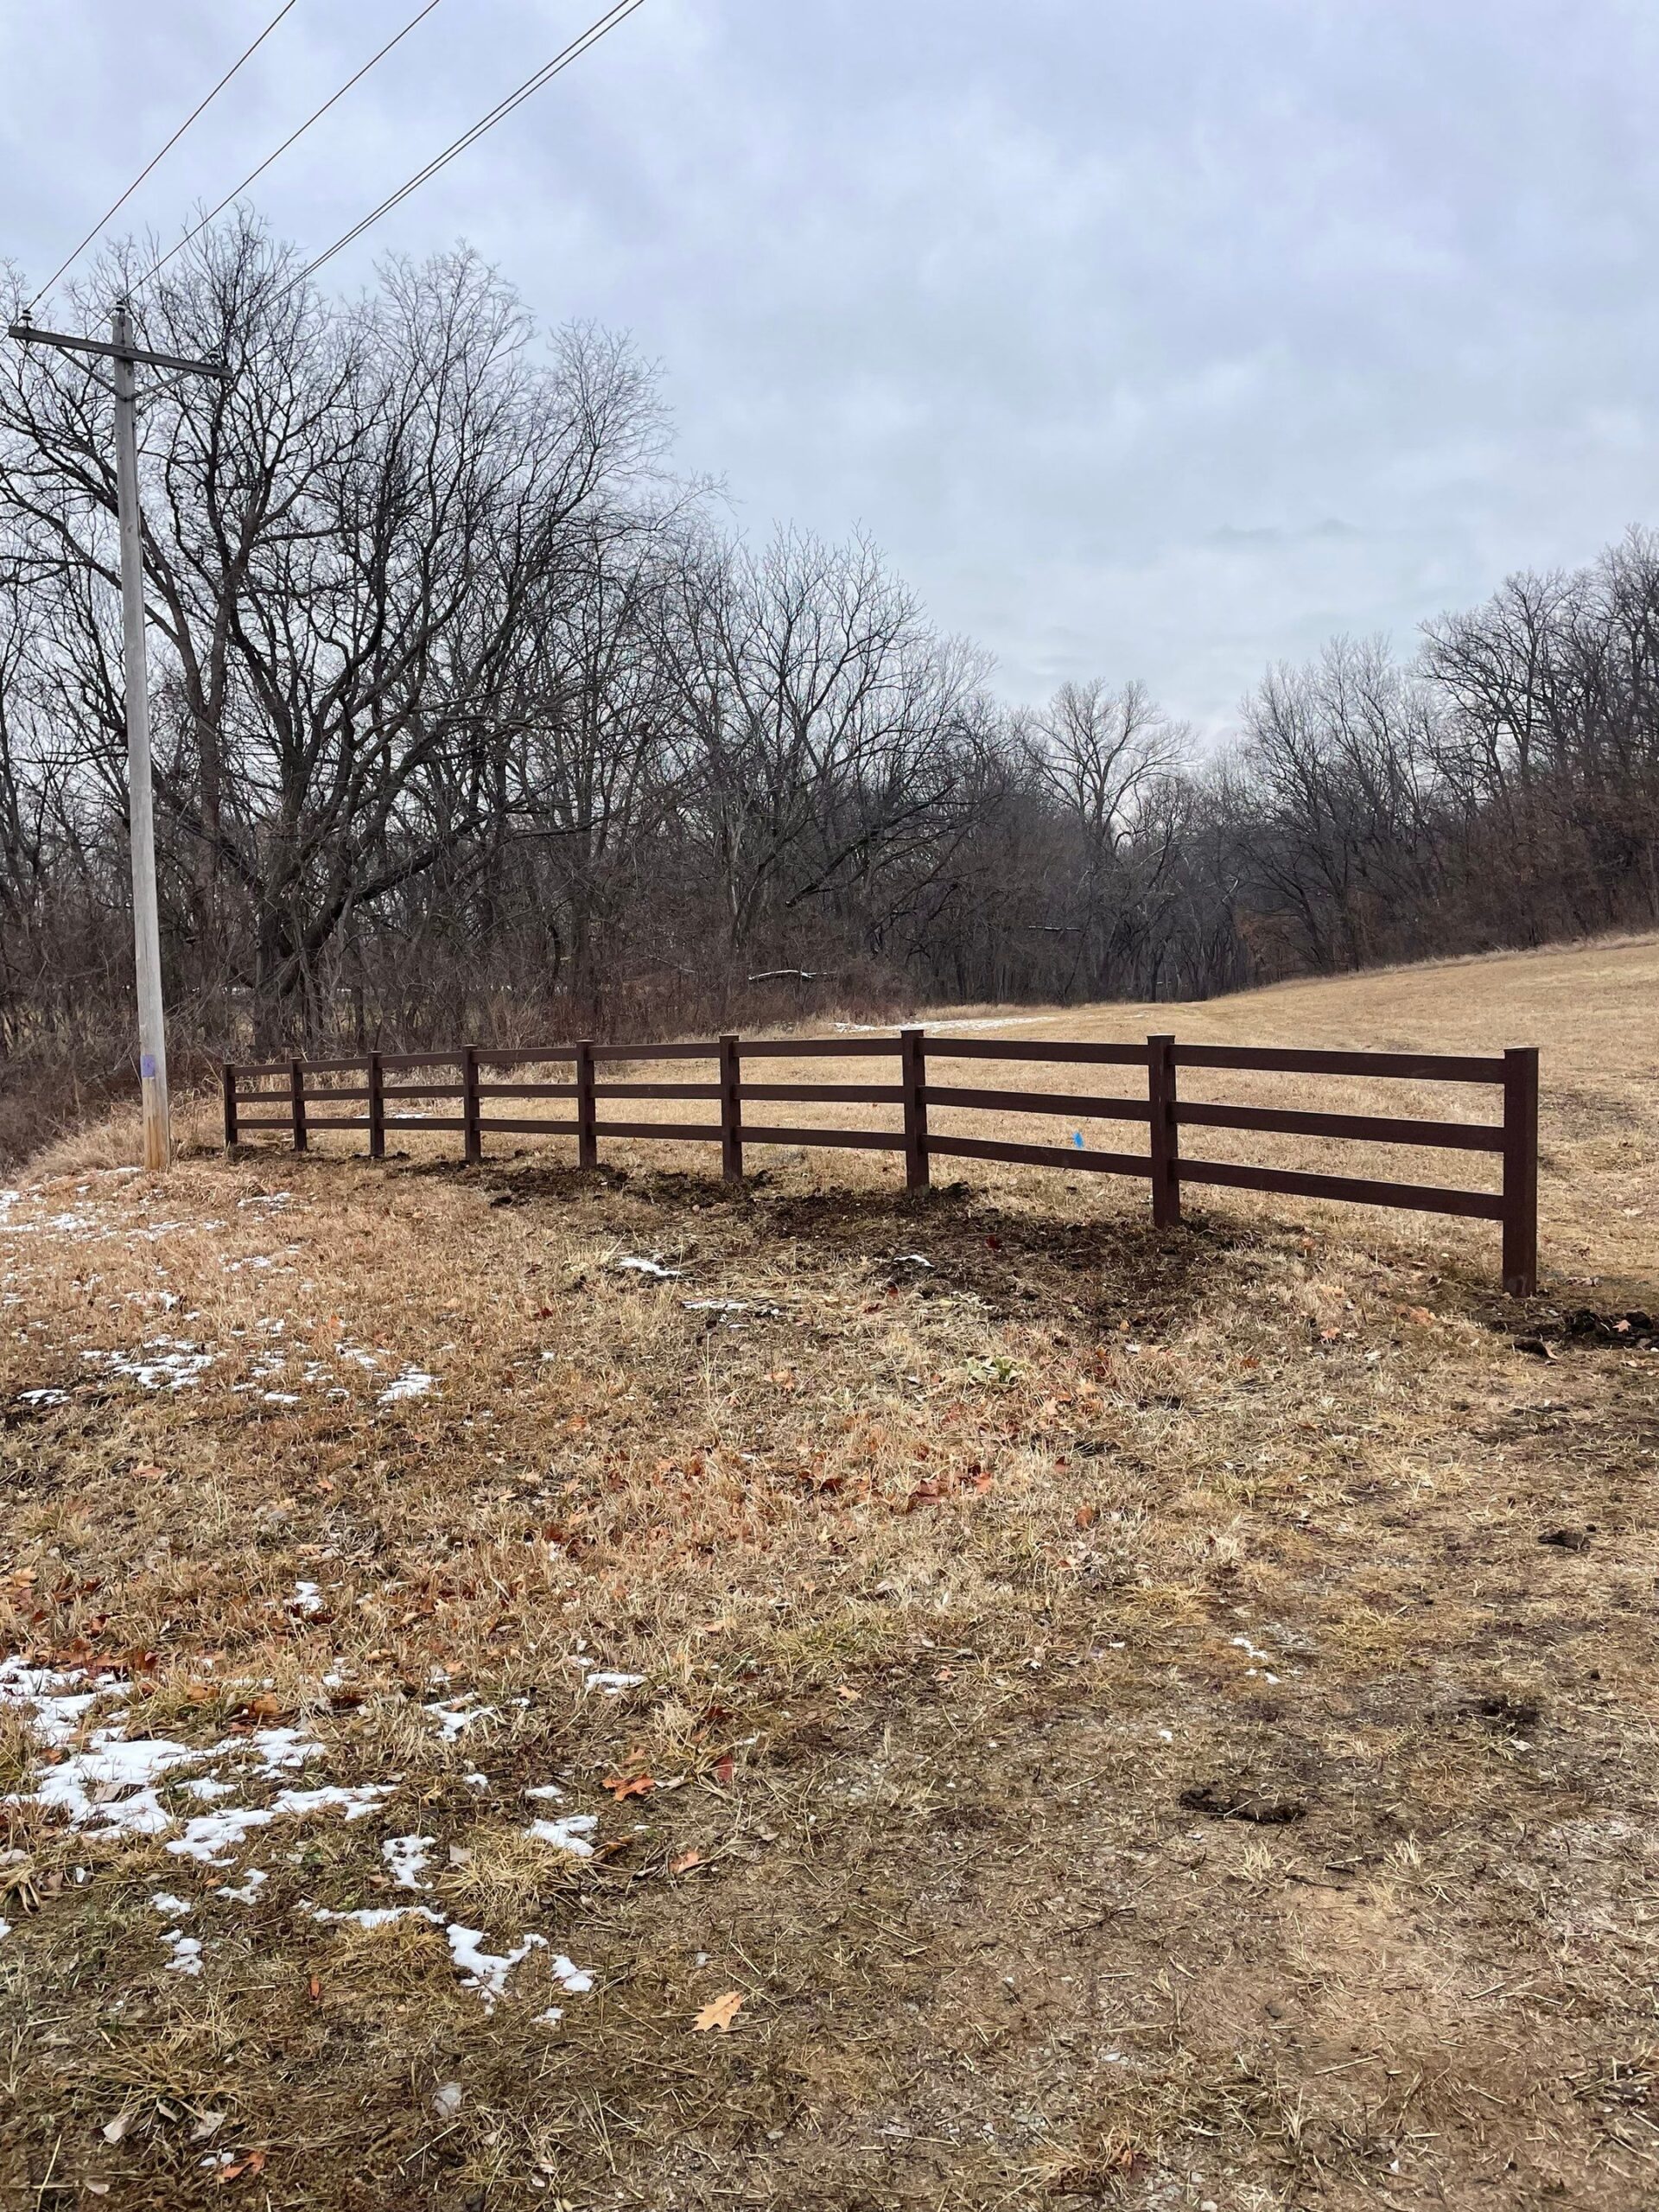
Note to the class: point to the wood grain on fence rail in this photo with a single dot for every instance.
(310, 1092)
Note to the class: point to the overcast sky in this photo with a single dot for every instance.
(1155, 338)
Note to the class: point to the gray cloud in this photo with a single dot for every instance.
(1156, 339)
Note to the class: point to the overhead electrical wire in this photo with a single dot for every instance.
(292, 137)
(196, 110)
(574, 52)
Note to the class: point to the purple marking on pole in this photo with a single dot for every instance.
(147, 1066)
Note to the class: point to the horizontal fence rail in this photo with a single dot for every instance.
(301, 1097)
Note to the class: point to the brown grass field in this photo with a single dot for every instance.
(1091, 1719)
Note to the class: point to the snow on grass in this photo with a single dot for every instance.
(161, 1363)
(211, 1838)
(487, 1971)
(413, 1382)
(308, 1596)
(109, 1783)
(452, 1714)
(484, 1971)
(187, 1952)
(377, 1916)
(568, 1834)
(652, 1267)
(406, 1856)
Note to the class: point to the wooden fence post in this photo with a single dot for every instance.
(587, 1140)
(912, 1063)
(228, 1079)
(296, 1103)
(1521, 1171)
(731, 1110)
(472, 1136)
(377, 1108)
(1165, 1132)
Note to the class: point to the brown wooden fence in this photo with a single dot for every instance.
(312, 1094)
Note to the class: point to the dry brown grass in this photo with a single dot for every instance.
(1109, 1711)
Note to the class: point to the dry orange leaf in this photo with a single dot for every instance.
(631, 1786)
(1419, 1314)
(684, 1863)
(720, 2014)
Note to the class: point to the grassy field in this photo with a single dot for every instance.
(946, 1704)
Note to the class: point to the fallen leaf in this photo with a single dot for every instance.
(1420, 1315)
(253, 2163)
(116, 2128)
(851, 1696)
(149, 1472)
(634, 1786)
(315, 1990)
(724, 1769)
(720, 2014)
(685, 1862)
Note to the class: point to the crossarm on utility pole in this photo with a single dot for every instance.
(31, 336)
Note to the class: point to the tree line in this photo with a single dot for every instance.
(470, 718)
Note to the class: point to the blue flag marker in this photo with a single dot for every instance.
(1076, 1139)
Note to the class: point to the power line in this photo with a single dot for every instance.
(574, 52)
(316, 115)
(166, 150)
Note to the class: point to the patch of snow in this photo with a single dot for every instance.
(574, 1981)
(211, 1837)
(413, 1382)
(487, 1971)
(566, 1834)
(550, 1791)
(55, 1707)
(452, 1714)
(176, 1364)
(187, 1952)
(42, 1397)
(406, 1856)
(110, 1785)
(279, 1751)
(607, 1680)
(253, 1881)
(379, 1916)
(652, 1267)
(172, 1907)
(306, 1597)
(715, 1305)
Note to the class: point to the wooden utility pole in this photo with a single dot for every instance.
(146, 925)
